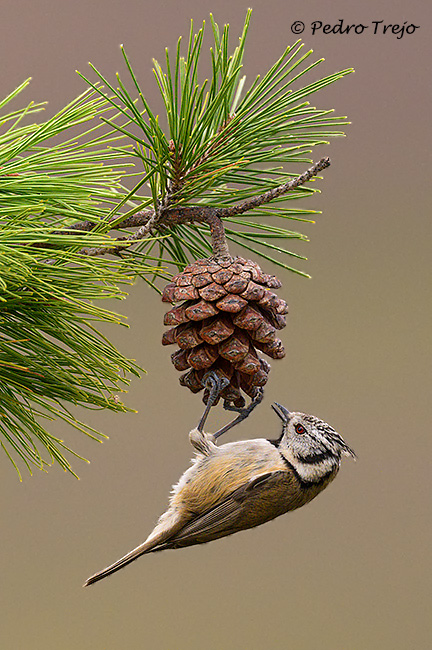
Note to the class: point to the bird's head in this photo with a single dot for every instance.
(311, 445)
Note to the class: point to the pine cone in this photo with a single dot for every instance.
(229, 311)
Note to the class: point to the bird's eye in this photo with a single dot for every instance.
(299, 428)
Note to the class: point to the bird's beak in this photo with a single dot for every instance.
(282, 412)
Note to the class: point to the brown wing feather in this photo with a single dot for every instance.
(254, 503)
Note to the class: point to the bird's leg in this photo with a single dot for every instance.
(215, 385)
(243, 413)
(203, 442)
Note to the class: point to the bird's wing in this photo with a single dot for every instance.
(221, 520)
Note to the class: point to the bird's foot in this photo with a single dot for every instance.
(214, 384)
(243, 413)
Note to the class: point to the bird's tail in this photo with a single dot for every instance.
(151, 544)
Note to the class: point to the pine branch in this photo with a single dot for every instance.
(150, 222)
(226, 147)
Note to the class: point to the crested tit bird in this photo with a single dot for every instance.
(243, 484)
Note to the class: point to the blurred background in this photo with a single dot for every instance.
(350, 570)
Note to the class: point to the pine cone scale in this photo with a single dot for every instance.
(231, 303)
(217, 330)
(201, 280)
(212, 292)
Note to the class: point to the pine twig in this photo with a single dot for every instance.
(149, 221)
(256, 201)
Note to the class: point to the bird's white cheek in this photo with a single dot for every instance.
(314, 471)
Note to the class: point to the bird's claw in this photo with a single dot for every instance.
(214, 384)
(248, 409)
(243, 413)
